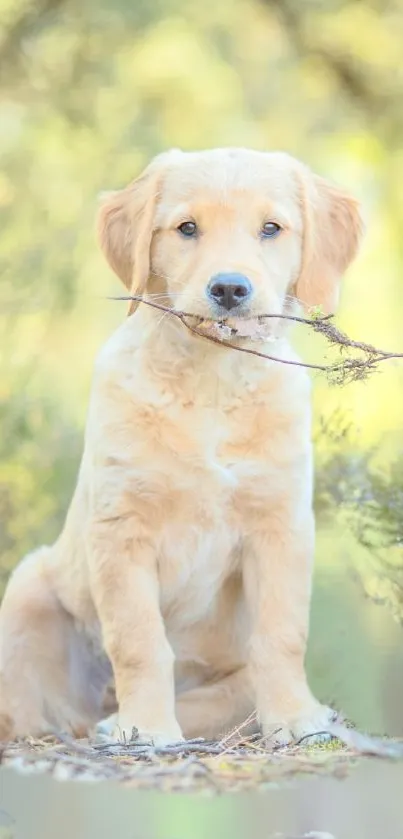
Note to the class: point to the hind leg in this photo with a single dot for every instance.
(214, 709)
(46, 684)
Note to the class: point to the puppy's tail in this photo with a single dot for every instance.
(6, 721)
(6, 728)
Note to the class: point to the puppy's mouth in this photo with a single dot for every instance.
(258, 328)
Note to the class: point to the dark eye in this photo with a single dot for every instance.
(270, 229)
(188, 228)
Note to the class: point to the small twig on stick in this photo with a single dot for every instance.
(349, 369)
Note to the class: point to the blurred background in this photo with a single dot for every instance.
(89, 91)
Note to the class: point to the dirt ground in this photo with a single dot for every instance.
(233, 765)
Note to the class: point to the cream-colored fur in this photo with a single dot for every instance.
(183, 571)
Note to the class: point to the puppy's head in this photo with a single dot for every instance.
(230, 233)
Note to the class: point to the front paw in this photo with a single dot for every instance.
(312, 725)
(116, 730)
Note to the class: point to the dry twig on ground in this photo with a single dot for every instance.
(230, 765)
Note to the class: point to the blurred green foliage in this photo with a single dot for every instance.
(89, 91)
(367, 493)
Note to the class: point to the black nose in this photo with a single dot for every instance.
(229, 290)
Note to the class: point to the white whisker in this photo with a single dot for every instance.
(155, 296)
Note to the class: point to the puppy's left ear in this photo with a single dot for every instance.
(332, 230)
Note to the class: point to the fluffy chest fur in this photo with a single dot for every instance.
(189, 449)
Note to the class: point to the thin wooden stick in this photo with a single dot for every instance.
(349, 369)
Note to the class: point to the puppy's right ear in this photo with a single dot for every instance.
(126, 223)
(125, 228)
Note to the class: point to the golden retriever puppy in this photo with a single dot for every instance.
(183, 572)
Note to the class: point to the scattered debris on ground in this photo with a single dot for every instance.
(232, 765)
